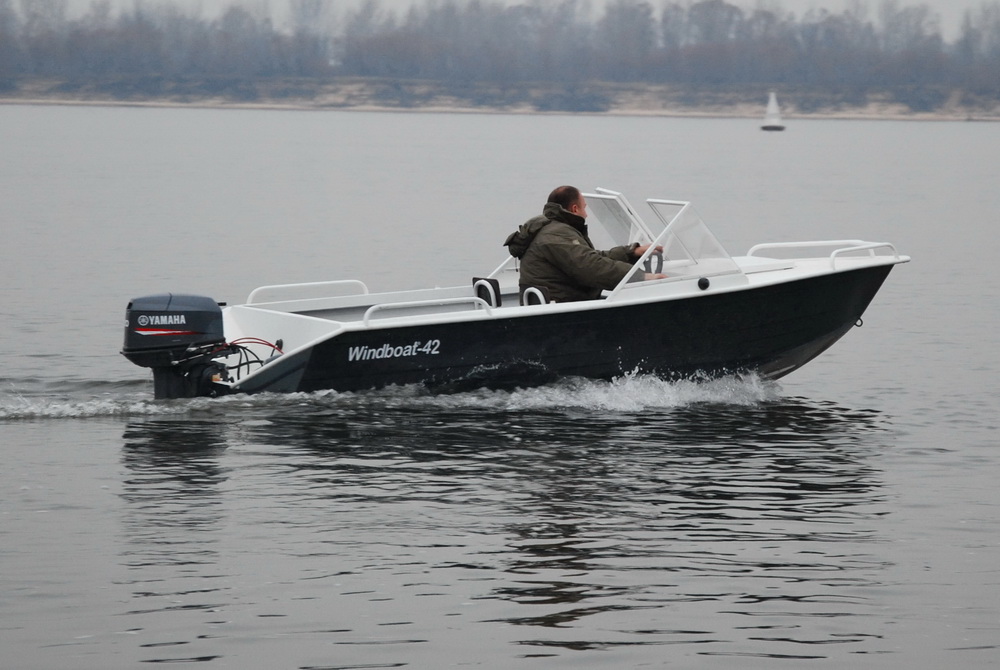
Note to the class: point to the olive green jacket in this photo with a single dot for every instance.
(557, 254)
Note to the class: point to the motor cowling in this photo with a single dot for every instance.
(176, 335)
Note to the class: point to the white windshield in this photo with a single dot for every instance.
(689, 247)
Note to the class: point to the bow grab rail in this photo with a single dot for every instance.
(843, 247)
(866, 246)
(479, 302)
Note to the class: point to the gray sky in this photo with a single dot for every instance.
(950, 11)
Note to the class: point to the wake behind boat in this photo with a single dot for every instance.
(769, 311)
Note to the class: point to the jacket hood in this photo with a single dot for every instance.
(518, 242)
(555, 212)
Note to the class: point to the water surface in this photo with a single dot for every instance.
(844, 516)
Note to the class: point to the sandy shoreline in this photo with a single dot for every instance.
(849, 114)
(428, 97)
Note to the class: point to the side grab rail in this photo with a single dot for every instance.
(479, 302)
(254, 294)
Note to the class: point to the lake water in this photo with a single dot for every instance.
(847, 516)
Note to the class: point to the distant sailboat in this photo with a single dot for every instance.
(772, 117)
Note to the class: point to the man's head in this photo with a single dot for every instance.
(570, 198)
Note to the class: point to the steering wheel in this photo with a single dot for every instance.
(654, 263)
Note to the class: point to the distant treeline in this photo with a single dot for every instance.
(459, 43)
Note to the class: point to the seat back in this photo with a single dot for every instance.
(487, 289)
(535, 295)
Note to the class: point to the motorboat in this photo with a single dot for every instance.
(768, 312)
(772, 114)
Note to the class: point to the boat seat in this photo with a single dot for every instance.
(535, 295)
(488, 290)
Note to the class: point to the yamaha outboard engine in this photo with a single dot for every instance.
(178, 336)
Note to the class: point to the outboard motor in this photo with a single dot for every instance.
(178, 336)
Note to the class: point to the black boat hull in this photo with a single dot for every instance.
(771, 330)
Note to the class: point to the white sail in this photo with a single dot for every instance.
(772, 117)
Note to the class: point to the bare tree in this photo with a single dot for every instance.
(11, 61)
(626, 39)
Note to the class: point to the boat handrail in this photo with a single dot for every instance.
(252, 298)
(508, 265)
(843, 247)
(425, 303)
(801, 245)
(870, 247)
